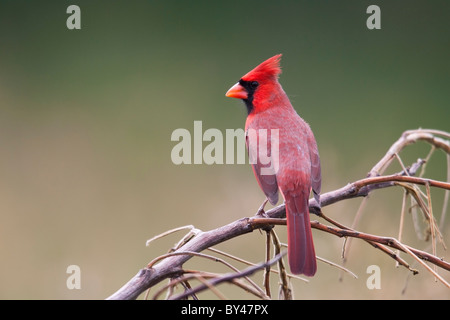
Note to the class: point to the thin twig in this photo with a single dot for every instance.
(416, 254)
(432, 224)
(375, 244)
(348, 241)
(228, 277)
(446, 196)
(168, 232)
(333, 264)
(402, 219)
(280, 221)
(197, 254)
(266, 276)
(285, 290)
(207, 285)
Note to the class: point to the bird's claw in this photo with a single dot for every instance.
(261, 211)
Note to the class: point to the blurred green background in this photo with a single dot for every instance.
(86, 118)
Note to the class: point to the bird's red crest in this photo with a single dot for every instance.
(267, 69)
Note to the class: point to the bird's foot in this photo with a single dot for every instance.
(261, 212)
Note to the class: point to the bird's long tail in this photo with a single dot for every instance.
(301, 254)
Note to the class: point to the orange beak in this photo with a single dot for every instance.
(237, 91)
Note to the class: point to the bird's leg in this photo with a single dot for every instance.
(261, 211)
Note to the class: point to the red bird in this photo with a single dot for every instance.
(284, 156)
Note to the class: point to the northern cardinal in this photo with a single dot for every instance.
(295, 163)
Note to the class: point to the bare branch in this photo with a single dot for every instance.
(171, 265)
(407, 138)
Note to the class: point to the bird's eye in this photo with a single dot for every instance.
(254, 84)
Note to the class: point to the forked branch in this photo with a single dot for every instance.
(170, 266)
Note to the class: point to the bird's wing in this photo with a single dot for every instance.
(266, 177)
